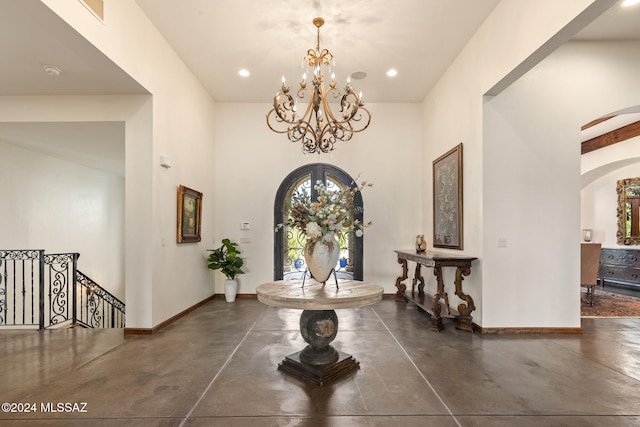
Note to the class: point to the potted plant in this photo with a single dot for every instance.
(227, 259)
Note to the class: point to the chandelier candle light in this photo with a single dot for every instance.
(318, 128)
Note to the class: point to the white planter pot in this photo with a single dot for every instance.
(230, 289)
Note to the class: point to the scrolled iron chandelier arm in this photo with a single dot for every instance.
(319, 127)
(283, 111)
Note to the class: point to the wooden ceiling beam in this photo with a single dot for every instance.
(595, 122)
(617, 135)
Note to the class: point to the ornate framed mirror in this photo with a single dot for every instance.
(628, 211)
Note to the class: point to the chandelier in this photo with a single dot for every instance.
(319, 127)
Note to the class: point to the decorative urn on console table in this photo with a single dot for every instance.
(421, 244)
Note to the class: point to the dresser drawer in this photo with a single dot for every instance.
(615, 273)
(627, 258)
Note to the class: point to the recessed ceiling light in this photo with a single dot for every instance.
(392, 72)
(244, 72)
(52, 71)
(628, 3)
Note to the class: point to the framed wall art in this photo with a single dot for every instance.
(189, 215)
(447, 199)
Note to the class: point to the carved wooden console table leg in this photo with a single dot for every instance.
(401, 287)
(417, 277)
(438, 304)
(464, 319)
(437, 308)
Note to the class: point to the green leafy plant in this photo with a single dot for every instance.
(226, 259)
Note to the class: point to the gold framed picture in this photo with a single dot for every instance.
(447, 199)
(189, 215)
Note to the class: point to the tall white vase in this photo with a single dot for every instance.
(230, 289)
(321, 257)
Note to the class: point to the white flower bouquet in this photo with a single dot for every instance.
(332, 213)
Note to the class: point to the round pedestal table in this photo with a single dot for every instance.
(318, 362)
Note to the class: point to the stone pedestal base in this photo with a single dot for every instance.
(319, 374)
(318, 363)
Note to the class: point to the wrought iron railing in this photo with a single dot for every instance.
(59, 290)
(20, 284)
(96, 307)
(47, 290)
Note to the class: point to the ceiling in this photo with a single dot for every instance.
(419, 38)
(32, 37)
(617, 23)
(215, 38)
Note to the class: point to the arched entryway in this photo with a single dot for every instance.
(289, 243)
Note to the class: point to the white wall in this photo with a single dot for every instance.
(511, 41)
(162, 278)
(251, 161)
(531, 199)
(42, 109)
(533, 138)
(62, 207)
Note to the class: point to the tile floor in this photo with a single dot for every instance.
(217, 366)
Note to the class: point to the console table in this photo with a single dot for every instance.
(432, 304)
(318, 362)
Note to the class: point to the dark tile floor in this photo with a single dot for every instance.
(217, 366)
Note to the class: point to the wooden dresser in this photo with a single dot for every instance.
(620, 266)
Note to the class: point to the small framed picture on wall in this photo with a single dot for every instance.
(189, 215)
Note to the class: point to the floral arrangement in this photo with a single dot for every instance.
(329, 215)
